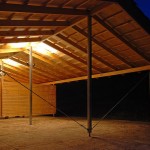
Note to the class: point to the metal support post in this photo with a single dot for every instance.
(89, 74)
(1, 88)
(30, 85)
(149, 85)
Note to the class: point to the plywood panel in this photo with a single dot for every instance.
(16, 100)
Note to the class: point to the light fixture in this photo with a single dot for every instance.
(43, 48)
(19, 45)
(2, 73)
(11, 62)
(48, 48)
(39, 47)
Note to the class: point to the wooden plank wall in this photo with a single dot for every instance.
(0, 97)
(15, 100)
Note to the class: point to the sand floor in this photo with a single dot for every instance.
(52, 133)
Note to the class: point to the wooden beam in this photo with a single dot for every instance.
(103, 46)
(16, 77)
(64, 51)
(29, 23)
(55, 56)
(113, 73)
(38, 70)
(81, 18)
(85, 51)
(17, 72)
(23, 71)
(99, 20)
(41, 9)
(19, 40)
(26, 33)
(58, 72)
(130, 7)
(6, 55)
(10, 50)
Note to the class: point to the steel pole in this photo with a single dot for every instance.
(89, 74)
(149, 84)
(1, 88)
(30, 84)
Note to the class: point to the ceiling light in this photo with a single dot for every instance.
(43, 48)
(19, 45)
(39, 47)
(49, 48)
(11, 62)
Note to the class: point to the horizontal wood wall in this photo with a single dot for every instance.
(15, 100)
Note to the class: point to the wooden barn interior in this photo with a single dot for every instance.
(48, 42)
(44, 43)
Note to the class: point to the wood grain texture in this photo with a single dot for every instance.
(0, 97)
(16, 100)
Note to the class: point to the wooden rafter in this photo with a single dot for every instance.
(85, 51)
(41, 9)
(104, 47)
(136, 13)
(99, 20)
(78, 58)
(58, 72)
(29, 23)
(36, 73)
(14, 70)
(10, 50)
(26, 33)
(17, 40)
(74, 63)
(15, 76)
(55, 56)
(45, 74)
(81, 18)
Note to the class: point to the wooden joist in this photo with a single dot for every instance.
(20, 40)
(138, 51)
(85, 51)
(10, 50)
(26, 33)
(78, 58)
(40, 9)
(31, 23)
(103, 46)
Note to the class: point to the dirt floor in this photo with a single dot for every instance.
(51, 133)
